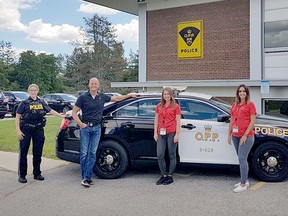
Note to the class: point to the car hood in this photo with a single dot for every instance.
(266, 120)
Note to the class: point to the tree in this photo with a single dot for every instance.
(131, 73)
(77, 69)
(101, 55)
(4, 74)
(7, 54)
(7, 58)
(41, 69)
(49, 71)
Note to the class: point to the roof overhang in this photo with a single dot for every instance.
(132, 6)
(128, 6)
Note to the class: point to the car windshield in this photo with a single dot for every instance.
(68, 97)
(21, 95)
(222, 104)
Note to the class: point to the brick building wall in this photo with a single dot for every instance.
(225, 42)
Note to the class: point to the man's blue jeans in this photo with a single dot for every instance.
(89, 140)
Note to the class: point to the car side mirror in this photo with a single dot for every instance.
(223, 118)
(107, 118)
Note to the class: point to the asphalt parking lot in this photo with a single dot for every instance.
(196, 191)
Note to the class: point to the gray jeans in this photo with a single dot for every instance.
(243, 152)
(163, 141)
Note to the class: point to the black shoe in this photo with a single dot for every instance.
(22, 180)
(90, 182)
(168, 180)
(161, 180)
(39, 178)
(85, 183)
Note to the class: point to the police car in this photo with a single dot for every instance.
(127, 137)
(14, 99)
(3, 105)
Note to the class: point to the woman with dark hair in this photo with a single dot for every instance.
(166, 133)
(243, 117)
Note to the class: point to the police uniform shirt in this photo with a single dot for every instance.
(30, 106)
(92, 109)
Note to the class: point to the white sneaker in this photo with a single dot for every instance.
(238, 184)
(240, 189)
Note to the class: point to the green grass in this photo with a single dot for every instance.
(9, 142)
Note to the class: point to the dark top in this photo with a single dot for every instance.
(92, 109)
(33, 111)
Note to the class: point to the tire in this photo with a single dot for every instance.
(65, 109)
(112, 160)
(270, 162)
(2, 116)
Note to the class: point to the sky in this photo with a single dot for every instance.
(49, 25)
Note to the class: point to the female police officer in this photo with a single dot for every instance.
(30, 122)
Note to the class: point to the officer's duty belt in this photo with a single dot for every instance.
(32, 125)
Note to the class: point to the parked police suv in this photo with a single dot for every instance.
(127, 137)
(3, 105)
(60, 102)
(14, 99)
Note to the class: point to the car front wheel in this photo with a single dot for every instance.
(270, 162)
(112, 160)
(65, 109)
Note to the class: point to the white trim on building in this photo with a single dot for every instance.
(142, 43)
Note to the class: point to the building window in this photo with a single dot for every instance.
(276, 34)
(277, 108)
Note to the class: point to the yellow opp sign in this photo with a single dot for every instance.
(190, 39)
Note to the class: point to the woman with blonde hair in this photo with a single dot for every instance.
(30, 122)
(166, 133)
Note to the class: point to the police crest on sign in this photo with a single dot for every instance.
(190, 39)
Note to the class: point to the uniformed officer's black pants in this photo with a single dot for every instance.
(37, 136)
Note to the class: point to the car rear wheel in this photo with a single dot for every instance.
(112, 160)
(270, 162)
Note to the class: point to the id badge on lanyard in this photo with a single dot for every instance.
(162, 131)
(235, 129)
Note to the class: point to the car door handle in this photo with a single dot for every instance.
(188, 126)
(127, 125)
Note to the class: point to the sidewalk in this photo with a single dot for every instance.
(9, 162)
